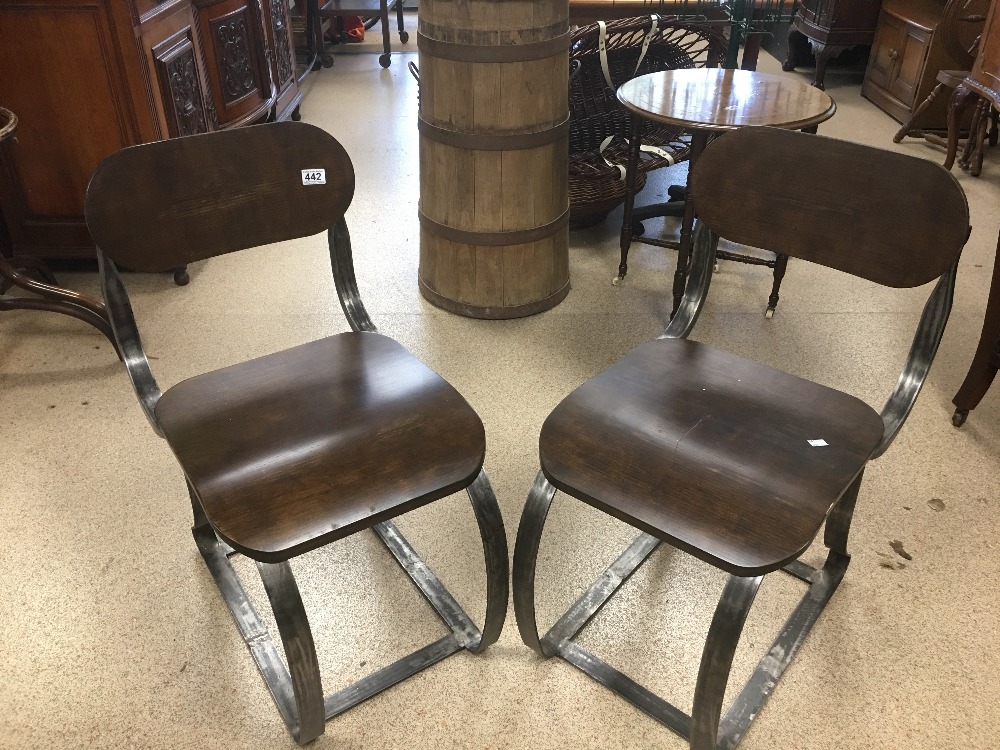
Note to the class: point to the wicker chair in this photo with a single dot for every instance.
(596, 183)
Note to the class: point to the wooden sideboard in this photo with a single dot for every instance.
(89, 77)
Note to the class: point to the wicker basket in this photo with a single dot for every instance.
(595, 185)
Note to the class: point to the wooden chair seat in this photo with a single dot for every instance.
(278, 448)
(709, 452)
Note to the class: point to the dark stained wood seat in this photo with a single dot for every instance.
(296, 449)
(271, 445)
(709, 452)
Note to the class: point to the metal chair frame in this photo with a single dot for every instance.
(706, 728)
(297, 688)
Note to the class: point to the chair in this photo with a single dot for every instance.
(961, 32)
(608, 54)
(368, 10)
(714, 454)
(297, 449)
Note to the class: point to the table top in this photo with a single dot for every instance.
(718, 99)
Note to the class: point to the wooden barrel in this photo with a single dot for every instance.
(494, 125)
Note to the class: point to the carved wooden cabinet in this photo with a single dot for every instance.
(914, 40)
(89, 77)
(831, 26)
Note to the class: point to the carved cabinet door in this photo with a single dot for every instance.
(239, 75)
(173, 55)
(282, 56)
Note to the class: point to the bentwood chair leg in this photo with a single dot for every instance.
(309, 718)
(529, 534)
(491, 529)
(717, 659)
(838, 523)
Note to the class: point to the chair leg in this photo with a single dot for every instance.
(403, 36)
(631, 180)
(961, 98)
(529, 534)
(386, 57)
(970, 144)
(717, 659)
(296, 636)
(908, 126)
(979, 146)
(780, 265)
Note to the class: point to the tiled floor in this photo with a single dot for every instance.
(112, 635)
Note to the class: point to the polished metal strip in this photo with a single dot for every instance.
(492, 53)
(762, 682)
(494, 538)
(529, 535)
(466, 633)
(925, 344)
(800, 570)
(649, 703)
(258, 640)
(717, 658)
(588, 605)
(493, 141)
(494, 239)
(386, 677)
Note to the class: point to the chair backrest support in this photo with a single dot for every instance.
(163, 205)
(894, 219)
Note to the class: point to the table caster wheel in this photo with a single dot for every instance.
(296, 115)
(769, 313)
(326, 60)
(638, 229)
(384, 60)
(181, 277)
(958, 418)
(404, 37)
(715, 269)
(617, 280)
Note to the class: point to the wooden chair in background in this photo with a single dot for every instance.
(731, 461)
(292, 451)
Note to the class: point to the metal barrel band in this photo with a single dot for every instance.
(492, 53)
(495, 239)
(493, 141)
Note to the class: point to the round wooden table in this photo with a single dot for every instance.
(710, 101)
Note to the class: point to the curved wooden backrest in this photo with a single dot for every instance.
(163, 205)
(893, 219)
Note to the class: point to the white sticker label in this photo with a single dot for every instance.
(313, 176)
(818, 443)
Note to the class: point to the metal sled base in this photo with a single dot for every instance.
(297, 689)
(703, 728)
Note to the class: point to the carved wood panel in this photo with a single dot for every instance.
(280, 38)
(177, 72)
(234, 44)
